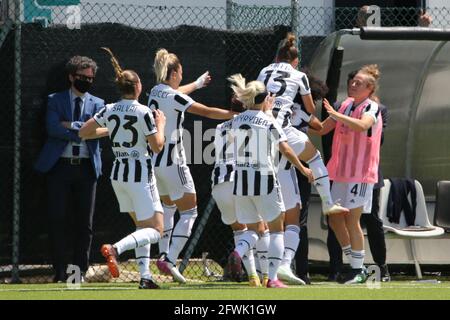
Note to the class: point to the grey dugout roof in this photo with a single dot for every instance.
(415, 87)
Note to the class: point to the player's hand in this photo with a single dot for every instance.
(66, 124)
(424, 18)
(203, 80)
(160, 118)
(268, 102)
(308, 173)
(329, 108)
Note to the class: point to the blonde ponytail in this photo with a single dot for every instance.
(246, 93)
(164, 64)
(117, 69)
(126, 80)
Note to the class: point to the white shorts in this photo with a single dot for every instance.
(353, 195)
(296, 140)
(141, 198)
(224, 197)
(253, 209)
(289, 188)
(174, 181)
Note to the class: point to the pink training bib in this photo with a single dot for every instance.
(355, 155)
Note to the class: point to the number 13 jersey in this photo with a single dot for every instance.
(288, 85)
(129, 123)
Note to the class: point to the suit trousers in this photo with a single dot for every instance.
(301, 256)
(76, 182)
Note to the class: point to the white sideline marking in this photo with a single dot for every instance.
(67, 289)
(230, 287)
(313, 286)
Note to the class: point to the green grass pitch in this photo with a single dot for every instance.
(396, 290)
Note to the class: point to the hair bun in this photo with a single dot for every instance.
(372, 69)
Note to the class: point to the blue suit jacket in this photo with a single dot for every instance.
(58, 110)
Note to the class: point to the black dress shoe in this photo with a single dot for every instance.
(384, 273)
(305, 278)
(60, 278)
(332, 277)
(148, 284)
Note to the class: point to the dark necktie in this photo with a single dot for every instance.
(77, 110)
(76, 117)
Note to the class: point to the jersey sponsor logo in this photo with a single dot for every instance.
(121, 154)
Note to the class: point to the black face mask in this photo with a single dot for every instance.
(82, 85)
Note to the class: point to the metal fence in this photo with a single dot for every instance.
(36, 41)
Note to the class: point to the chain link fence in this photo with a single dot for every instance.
(35, 43)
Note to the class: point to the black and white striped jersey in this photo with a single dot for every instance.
(287, 84)
(129, 124)
(173, 103)
(256, 137)
(300, 117)
(223, 149)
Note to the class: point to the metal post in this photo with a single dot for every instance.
(229, 14)
(416, 261)
(198, 233)
(17, 134)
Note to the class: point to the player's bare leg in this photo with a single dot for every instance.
(187, 207)
(311, 156)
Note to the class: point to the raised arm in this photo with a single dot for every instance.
(210, 112)
(201, 82)
(358, 125)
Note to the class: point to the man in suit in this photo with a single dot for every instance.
(72, 165)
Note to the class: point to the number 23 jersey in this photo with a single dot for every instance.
(288, 85)
(129, 123)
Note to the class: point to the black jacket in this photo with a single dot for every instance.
(398, 200)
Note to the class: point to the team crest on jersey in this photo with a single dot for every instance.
(277, 105)
(134, 154)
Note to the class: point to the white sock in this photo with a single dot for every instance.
(255, 258)
(246, 241)
(247, 259)
(181, 233)
(357, 259)
(347, 250)
(139, 238)
(169, 212)
(291, 241)
(321, 179)
(143, 261)
(249, 263)
(276, 249)
(262, 250)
